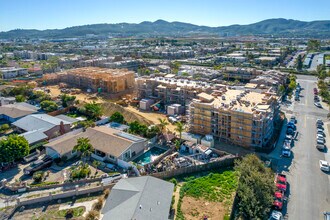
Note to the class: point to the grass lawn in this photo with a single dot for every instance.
(79, 211)
(60, 214)
(217, 188)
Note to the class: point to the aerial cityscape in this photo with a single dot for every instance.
(158, 110)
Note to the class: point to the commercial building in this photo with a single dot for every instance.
(12, 72)
(239, 117)
(95, 79)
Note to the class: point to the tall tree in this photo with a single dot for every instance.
(255, 189)
(67, 100)
(13, 147)
(48, 106)
(162, 124)
(93, 110)
(299, 62)
(84, 147)
(179, 128)
(117, 117)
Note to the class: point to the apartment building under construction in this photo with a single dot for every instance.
(95, 79)
(169, 90)
(239, 117)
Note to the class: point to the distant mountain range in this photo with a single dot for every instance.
(272, 27)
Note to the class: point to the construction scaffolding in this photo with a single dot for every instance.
(95, 79)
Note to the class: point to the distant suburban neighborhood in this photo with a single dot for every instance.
(205, 126)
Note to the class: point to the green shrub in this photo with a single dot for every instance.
(92, 215)
(98, 204)
(38, 176)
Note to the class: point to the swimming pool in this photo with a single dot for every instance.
(149, 156)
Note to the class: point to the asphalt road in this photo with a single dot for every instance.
(309, 187)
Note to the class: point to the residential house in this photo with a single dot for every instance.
(49, 125)
(139, 198)
(16, 111)
(110, 145)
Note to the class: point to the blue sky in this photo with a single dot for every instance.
(49, 14)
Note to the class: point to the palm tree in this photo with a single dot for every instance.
(179, 128)
(177, 144)
(162, 124)
(84, 147)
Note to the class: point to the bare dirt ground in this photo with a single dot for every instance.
(196, 209)
(83, 97)
(151, 116)
(130, 113)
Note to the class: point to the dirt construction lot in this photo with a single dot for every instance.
(196, 209)
(130, 113)
(83, 97)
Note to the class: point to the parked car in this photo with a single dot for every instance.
(320, 147)
(288, 137)
(31, 157)
(287, 144)
(38, 165)
(319, 141)
(278, 200)
(291, 125)
(326, 215)
(317, 104)
(324, 165)
(276, 215)
(293, 119)
(320, 127)
(320, 132)
(280, 181)
(319, 121)
(290, 131)
(319, 136)
(286, 152)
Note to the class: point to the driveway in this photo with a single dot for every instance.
(309, 187)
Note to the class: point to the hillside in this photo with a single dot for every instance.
(276, 27)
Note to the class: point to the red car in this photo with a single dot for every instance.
(278, 204)
(315, 91)
(280, 182)
(279, 195)
(278, 200)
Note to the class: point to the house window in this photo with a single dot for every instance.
(127, 154)
(99, 153)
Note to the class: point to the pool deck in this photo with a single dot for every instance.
(156, 145)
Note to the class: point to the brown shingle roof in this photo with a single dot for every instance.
(102, 138)
(16, 110)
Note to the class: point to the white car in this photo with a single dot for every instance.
(324, 165)
(276, 215)
(319, 136)
(286, 153)
(317, 104)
